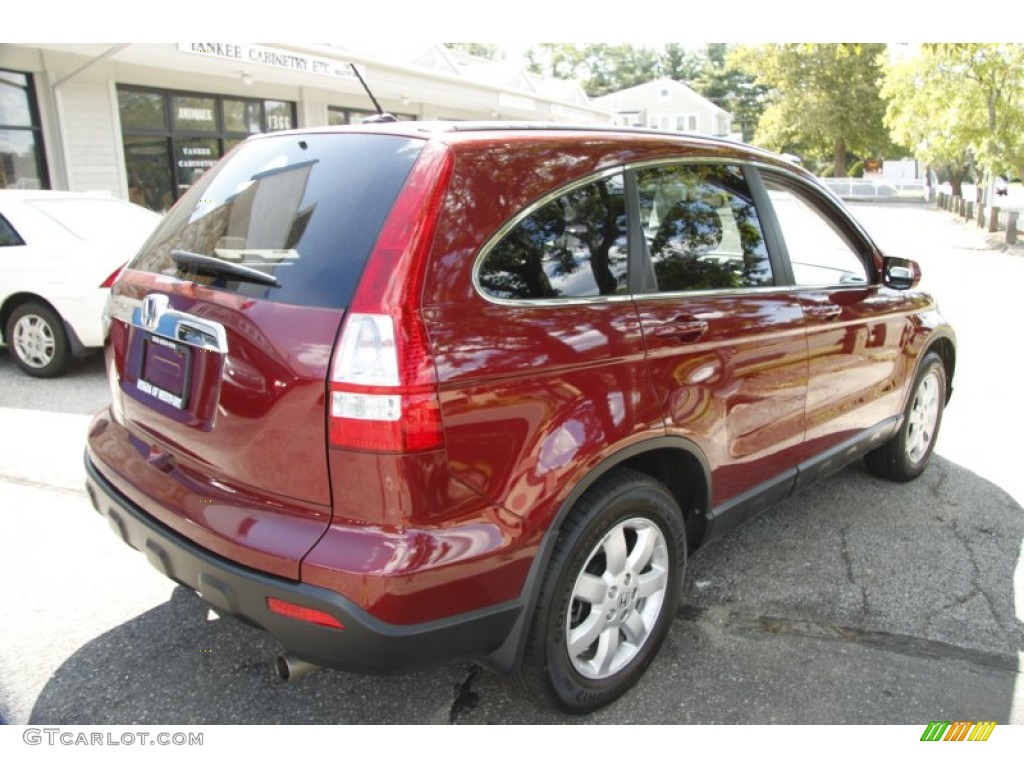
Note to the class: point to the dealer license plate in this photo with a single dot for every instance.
(166, 369)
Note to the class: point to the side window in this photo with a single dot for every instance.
(701, 229)
(818, 252)
(572, 247)
(7, 234)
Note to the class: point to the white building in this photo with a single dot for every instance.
(667, 105)
(142, 121)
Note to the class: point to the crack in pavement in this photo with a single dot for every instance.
(844, 550)
(977, 587)
(907, 645)
(465, 697)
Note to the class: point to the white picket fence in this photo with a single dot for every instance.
(877, 189)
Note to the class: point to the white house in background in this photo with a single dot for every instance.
(667, 105)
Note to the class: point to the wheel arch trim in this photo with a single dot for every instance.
(15, 300)
(506, 658)
(942, 341)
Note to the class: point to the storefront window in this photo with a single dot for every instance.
(172, 138)
(279, 116)
(142, 111)
(148, 160)
(22, 164)
(194, 113)
(243, 116)
(192, 158)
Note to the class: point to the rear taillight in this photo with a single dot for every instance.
(113, 276)
(383, 388)
(373, 406)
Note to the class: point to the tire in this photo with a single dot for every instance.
(907, 453)
(609, 596)
(37, 340)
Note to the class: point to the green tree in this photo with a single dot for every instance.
(730, 88)
(679, 64)
(954, 103)
(602, 68)
(482, 50)
(823, 99)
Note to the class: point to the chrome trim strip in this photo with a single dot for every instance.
(155, 315)
(781, 168)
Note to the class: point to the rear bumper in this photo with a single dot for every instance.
(366, 644)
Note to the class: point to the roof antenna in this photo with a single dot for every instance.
(381, 116)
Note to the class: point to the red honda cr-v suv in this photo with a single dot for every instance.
(411, 392)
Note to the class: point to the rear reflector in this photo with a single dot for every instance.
(302, 613)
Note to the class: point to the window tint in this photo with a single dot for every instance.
(818, 252)
(306, 211)
(571, 247)
(701, 229)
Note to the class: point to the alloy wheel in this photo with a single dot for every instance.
(617, 598)
(924, 416)
(34, 341)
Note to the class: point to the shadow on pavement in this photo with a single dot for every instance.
(859, 601)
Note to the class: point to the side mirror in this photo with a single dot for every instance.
(900, 274)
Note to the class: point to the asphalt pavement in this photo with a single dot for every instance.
(858, 601)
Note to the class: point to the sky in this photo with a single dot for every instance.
(521, 23)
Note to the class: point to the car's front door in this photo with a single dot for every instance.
(725, 344)
(856, 327)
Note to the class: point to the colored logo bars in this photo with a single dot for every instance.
(960, 730)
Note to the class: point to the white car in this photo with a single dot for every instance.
(59, 254)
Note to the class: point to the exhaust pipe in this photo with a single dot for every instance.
(289, 667)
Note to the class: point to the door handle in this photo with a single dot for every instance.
(684, 330)
(823, 311)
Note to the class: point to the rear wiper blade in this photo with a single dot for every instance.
(202, 263)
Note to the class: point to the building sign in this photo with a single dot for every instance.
(270, 57)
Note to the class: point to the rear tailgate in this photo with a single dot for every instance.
(218, 380)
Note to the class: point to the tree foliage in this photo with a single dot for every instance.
(954, 103)
(823, 99)
(602, 68)
(730, 88)
(483, 50)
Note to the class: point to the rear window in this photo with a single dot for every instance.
(305, 209)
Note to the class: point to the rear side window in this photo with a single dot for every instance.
(305, 209)
(571, 247)
(702, 229)
(7, 234)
